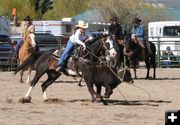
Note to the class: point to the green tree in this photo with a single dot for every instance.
(126, 10)
(23, 10)
(41, 7)
(67, 8)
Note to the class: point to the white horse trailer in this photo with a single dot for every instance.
(165, 33)
(64, 28)
(56, 28)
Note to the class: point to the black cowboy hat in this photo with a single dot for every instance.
(136, 20)
(28, 18)
(114, 19)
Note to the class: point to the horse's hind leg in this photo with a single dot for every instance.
(36, 78)
(29, 74)
(52, 76)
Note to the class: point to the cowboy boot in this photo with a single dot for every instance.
(62, 68)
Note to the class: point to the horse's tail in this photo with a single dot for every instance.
(29, 61)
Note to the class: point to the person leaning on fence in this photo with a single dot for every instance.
(168, 56)
(26, 26)
(138, 31)
(80, 34)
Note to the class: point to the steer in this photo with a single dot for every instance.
(101, 75)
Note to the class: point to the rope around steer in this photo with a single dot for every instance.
(149, 95)
(128, 84)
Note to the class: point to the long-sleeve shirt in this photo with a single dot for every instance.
(138, 30)
(78, 37)
(31, 29)
(116, 30)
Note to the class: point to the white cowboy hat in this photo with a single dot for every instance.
(82, 24)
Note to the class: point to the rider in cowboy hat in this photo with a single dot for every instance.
(115, 29)
(138, 32)
(26, 26)
(80, 35)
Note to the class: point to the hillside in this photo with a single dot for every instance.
(168, 3)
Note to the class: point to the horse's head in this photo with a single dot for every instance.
(110, 47)
(95, 49)
(30, 38)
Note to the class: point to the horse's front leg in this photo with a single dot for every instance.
(21, 76)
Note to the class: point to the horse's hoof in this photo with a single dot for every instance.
(21, 81)
(25, 100)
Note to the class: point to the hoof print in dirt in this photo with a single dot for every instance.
(54, 100)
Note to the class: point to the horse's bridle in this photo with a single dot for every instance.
(91, 53)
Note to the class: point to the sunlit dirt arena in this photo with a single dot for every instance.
(71, 105)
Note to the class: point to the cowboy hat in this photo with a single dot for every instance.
(82, 24)
(28, 18)
(136, 20)
(114, 19)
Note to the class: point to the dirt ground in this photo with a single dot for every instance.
(72, 105)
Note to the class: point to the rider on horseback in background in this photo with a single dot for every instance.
(115, 30)
(26, 26)
(138, 33)
(80, 35)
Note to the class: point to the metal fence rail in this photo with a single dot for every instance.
(167, 60)
(6, 62)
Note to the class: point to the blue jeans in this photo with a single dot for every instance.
(18, 45)
(67, 53)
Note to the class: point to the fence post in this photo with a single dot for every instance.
(158, 52)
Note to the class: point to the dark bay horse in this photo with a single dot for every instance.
(46, 63)
(25, 51)
(135, 50)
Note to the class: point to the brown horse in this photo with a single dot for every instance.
(25, 51)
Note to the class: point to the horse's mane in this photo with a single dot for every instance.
(94, 40)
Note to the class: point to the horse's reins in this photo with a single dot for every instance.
(89, 52)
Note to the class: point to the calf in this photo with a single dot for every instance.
(101, 75)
